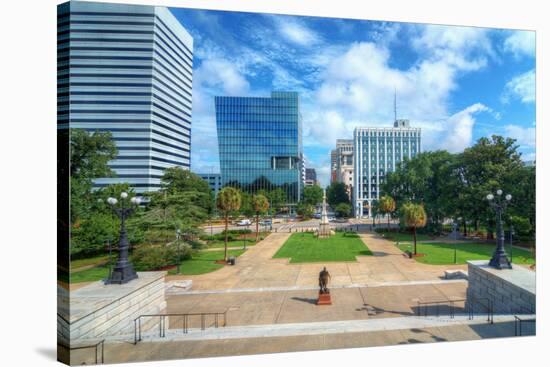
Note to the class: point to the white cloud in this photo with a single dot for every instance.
(457, 130)
(294, 30)
(222, 74)
(521, 87)
(521, 43)
(525, 136)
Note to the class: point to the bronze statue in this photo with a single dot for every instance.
(324, 277)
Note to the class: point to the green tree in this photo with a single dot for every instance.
(89, 155)
(276, 198)
(426, 178)
(261, 205)
(337, 193)
(343, 210)
(387, 206)
(374, 211)
(228, 200)
(414, 216)
(304, 209)
(313, 195)
(491, 164)
(179, 180)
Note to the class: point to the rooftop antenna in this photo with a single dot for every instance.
(394, 104)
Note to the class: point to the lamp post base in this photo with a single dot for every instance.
(122, 275)
(500, 261)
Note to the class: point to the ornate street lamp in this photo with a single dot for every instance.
(123, 270)
(499, 259)
(178, 234)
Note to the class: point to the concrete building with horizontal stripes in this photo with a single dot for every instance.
(376, 152)
(127, 69)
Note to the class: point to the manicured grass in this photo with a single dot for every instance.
(405, 237)
(438, 253)
(305, 247)
(238, 243)
(75, 264)
(202, 262)
(90, 275)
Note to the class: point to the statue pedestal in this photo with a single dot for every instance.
(324, 299)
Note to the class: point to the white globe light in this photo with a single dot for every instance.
(124, 195)
(490, 197)
(112, 201)
(499, 192)
(135, 200)
(508, 197)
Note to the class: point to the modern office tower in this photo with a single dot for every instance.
(214, 181)
(377, 151)
(127, 69)
(333, 165)
(311, 177)
(260, 143)
(344, 163)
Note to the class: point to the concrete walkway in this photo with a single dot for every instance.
(256, 268)
(293, 338)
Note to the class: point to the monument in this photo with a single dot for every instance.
(324, 292)
(324, 227)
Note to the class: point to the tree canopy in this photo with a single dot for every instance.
(337, 193)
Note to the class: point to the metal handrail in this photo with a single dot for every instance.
(450, 302)
(518, 322)
(96, 346)
(489, 307)
(185, 322)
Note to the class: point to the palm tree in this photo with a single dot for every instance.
(414, 216)
(387, 206)
(260, 205)
(228, 200)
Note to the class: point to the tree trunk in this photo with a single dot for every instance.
(465, 229)
(388, 222)
(225, 241)
(414, 238)
(257, 223)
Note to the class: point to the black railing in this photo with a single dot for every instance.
(185, 322)
(99, 357)
(485, 303)
(426, 305)
(518, 322)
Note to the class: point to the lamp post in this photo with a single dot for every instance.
(123, 271)
(455, 236)
(499, 259)
(178, 249)
(511, 243)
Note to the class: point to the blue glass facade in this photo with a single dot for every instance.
(260, 143)
(127, 69)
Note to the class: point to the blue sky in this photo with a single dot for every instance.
(457, 83)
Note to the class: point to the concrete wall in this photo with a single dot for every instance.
(100, 310)
(512, 291)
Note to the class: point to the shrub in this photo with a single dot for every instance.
(153, 257)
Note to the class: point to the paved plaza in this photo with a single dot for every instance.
(256, 268)
(270, 307)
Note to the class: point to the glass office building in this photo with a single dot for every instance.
(260, 143)
(377, 151)
(127, 69)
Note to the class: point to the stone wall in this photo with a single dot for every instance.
(512, 291)
(97, 310)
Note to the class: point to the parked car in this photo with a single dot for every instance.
(244, 222)
(265, 222)
(317, 215)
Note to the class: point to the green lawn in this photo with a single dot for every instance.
(405, 237)
(202, 262)
(238, 243)
(305, 247)
(438, 253)
(90, 261)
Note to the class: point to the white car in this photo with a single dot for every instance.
(244, 222)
